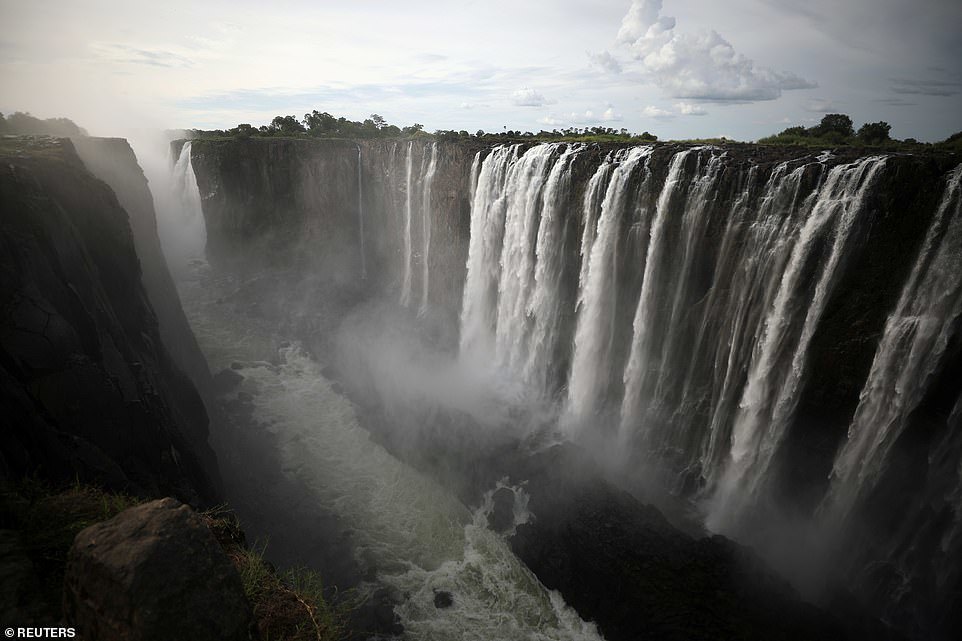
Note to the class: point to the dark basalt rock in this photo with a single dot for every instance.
(443, 599)
(89, 390)
(226, 380)
(113, 161)
(501, 517)
(20, 597)
(154, 573)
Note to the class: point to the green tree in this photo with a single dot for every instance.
(794, 131)
(286, 126)
(243, 131)
(379, 121)
(874, 133)
(840, 124)
(319, 124)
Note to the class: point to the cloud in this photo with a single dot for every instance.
(587, 117)
(821, 106)
(895, 102)
(678, 109)
(466, 105)
(134, 55)
(610, 116)
(702, 66)
(926, 87)
(605, 61)
(688, 109)
(526, 97)
(652, 111)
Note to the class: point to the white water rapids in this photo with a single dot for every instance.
(417, 534)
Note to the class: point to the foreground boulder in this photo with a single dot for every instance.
(154, 573)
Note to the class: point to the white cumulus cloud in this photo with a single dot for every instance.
(526, 97)
(605, 61)
(701, 66)
(689, 109)
(610, 116)
(651, 111)
(551, 121)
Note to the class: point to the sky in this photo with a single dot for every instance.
(679, 69)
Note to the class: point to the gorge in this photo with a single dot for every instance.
(514, 389)
(764, 342)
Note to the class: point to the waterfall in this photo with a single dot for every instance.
(712, 279)
(545, 300)
(641, 360)
(427, 184)
(360, 214)
(598, 286)
(770, 395)
(190, 233)
(406, 282)
(746, 280)
(512, 292)
(525, 199)
(484, 253)
(909, 353)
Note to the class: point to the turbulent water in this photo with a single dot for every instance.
(418, 535)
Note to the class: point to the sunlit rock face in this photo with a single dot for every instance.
(90, 392)
(737, 326)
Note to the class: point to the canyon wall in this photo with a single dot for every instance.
(90, 391)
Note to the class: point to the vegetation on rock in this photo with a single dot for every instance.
(287, 606)
(23, 123)
(836, 130)
(323, 125)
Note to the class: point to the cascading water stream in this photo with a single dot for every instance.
(545, 300)
(479, 309)
(909, 353)
(360, 214)
(640, 362)
(522, 217)
(598, 286)
(428, 183)
(191, 236)
(747, 277)
(512, 291)
(770, 396)
(408, 243)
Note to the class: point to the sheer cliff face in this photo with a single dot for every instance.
(113, 161)
(304, 202)
(281, 202)
(89, 389)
